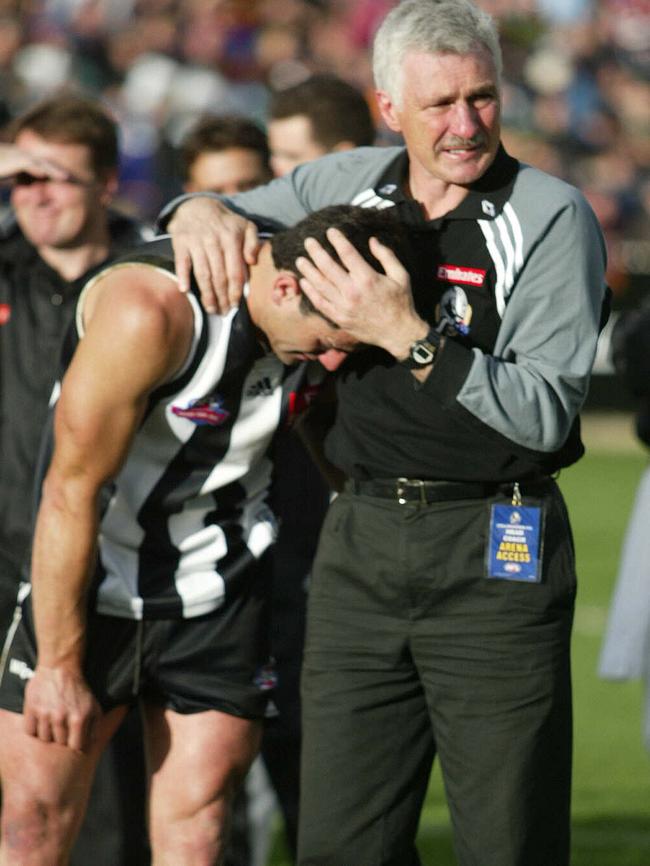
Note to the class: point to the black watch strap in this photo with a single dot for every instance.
(423, 352)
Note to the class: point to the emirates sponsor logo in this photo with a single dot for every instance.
(465, 276)
(5, 313)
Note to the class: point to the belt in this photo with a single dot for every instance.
(424, 492)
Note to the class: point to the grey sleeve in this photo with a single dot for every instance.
(333, 179)
(535, 382)
(275, 204)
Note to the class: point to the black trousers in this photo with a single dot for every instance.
(413, 652)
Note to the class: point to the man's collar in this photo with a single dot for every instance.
(246, 333)
(485, 199)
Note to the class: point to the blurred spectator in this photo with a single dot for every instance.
(12, 93)
(576, 76)
(320, 115)
(226, 154)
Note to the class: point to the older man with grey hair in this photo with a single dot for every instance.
(442, 600)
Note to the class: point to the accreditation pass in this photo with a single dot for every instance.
(514, 548)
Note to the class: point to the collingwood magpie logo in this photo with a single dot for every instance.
(456, 309)
(262, 388)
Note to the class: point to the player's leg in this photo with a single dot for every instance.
(206, 683)
(197, 762)
(45, 788)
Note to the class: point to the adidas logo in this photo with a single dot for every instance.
(262, 388)
(20, 669)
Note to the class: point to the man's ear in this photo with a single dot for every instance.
(387, 110)
(285, 287)
(109, 188)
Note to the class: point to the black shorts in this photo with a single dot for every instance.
(219, 661)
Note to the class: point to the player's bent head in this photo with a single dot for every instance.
(430, 27)
(358, 224)
(294, 329)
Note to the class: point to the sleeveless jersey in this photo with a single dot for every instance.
(187, 512)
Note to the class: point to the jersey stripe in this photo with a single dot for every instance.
(499, 266)
(369, 198)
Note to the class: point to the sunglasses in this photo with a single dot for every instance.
(24, 178)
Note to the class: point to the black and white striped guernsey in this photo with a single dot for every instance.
(187, 512)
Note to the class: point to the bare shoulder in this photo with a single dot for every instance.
(139, 309)
(137, 298)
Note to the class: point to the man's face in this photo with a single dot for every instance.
(291, 142)
(228, 171)
(449, 115)
(56, 213)
(296, 336)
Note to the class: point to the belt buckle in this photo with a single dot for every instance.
(403, 483)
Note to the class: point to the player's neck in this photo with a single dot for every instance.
(260, 279)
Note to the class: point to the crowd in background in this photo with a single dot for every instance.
(576, 87)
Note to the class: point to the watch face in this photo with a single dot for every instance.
(423, 353)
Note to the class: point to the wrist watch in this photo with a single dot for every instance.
(423, 352)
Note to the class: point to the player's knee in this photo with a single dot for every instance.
(195, 837)
(31, 825)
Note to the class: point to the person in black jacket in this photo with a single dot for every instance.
(62, 167)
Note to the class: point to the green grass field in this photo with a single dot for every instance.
(611, 795)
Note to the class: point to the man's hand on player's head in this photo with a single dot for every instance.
(375, 308)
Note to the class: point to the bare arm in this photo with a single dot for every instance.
(103, 397)
(13, 160)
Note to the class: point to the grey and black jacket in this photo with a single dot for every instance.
(520, 264)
